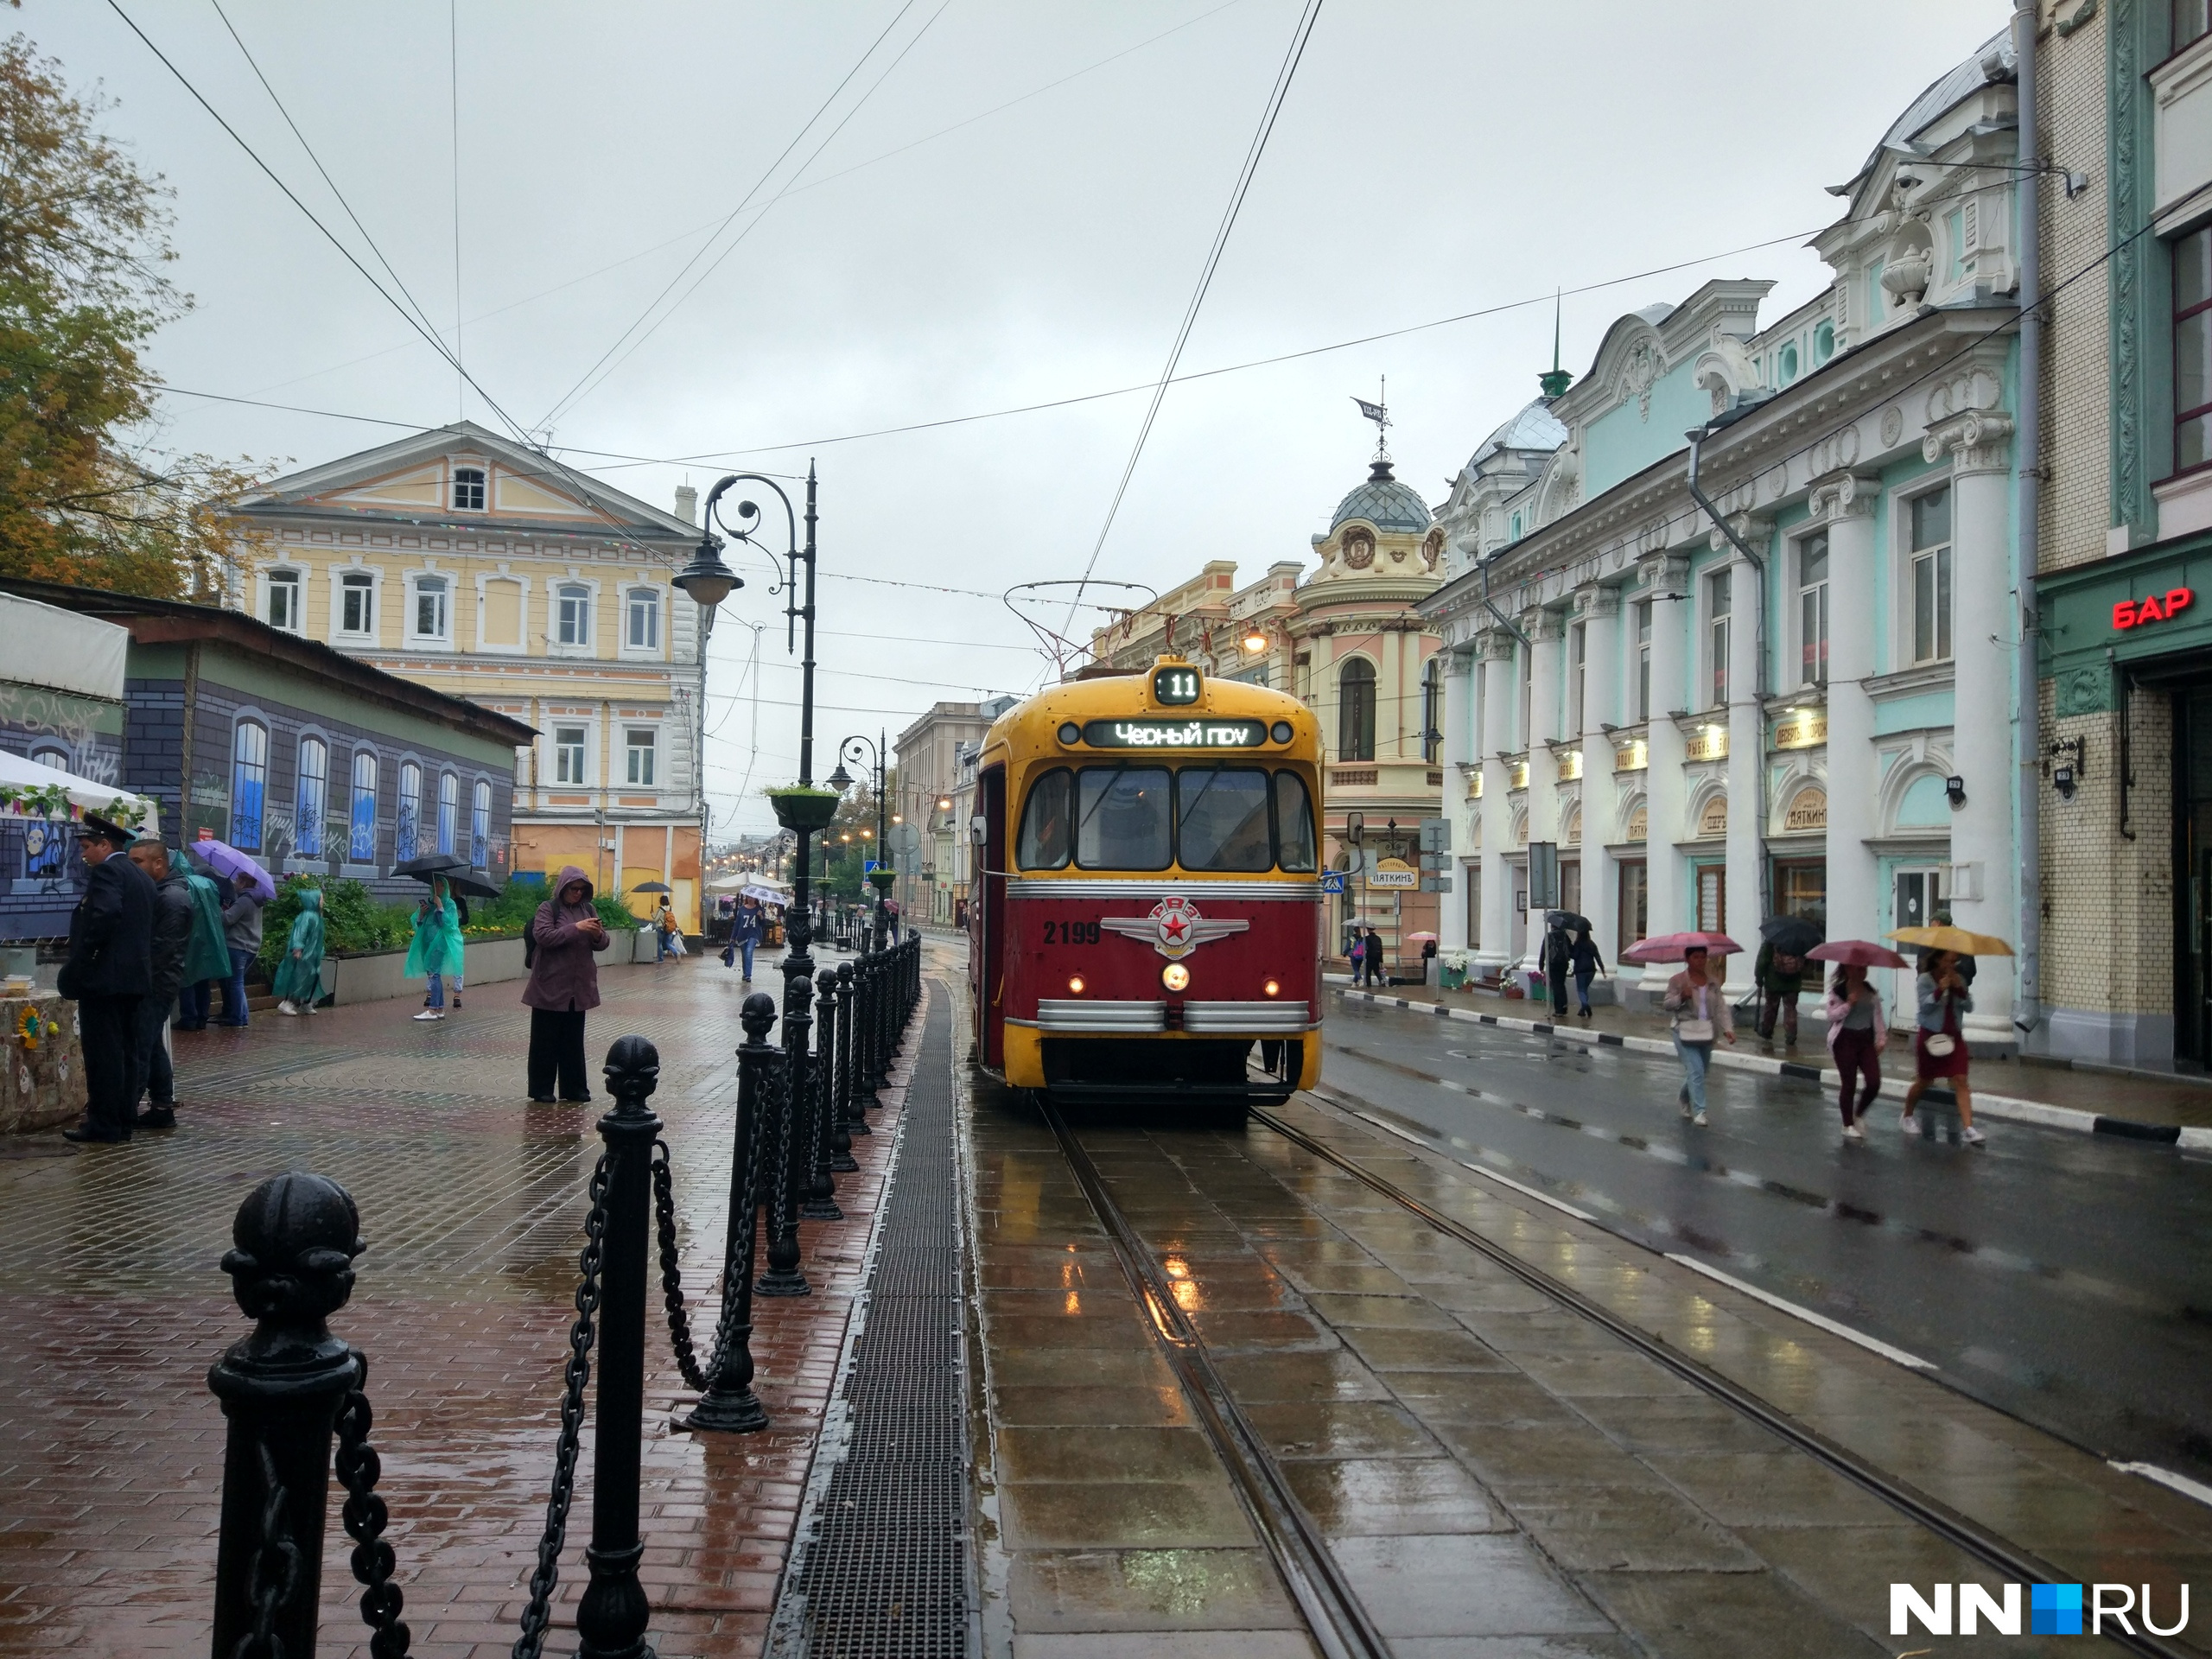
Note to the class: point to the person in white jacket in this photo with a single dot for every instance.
(1856, 1034)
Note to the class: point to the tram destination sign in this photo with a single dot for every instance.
(1175, 733)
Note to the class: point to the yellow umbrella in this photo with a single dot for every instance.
(1952, 939)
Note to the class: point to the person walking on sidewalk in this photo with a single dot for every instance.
(1557, 956)
(1586, 964)
(169, 945)
(209, 957)
(1375, 974)
(435, 951)
(1781, 980)
(664, 924)
(1939, 1044)
(299, 977)
(563, 986)
(744, 935)
(1856, 1034)
(242, 934)
(108, 974)
(1697, 1013)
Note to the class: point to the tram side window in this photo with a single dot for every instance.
(1046, 821)
(1293, 822)
(1121, 818)
(1221, 819)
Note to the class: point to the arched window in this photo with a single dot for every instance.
(410, 810)
(572, 614)
(47, 846)
(284, 600)
(448, 810)
(249, 783)
(642, 631)
(311, 796)
(361, 847)
(1356, 710)
(479, 827)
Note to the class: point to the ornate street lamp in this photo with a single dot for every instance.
(857, 749)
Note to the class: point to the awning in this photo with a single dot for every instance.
(31, 790)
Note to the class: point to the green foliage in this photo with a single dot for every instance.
(615, 914)
(355, 922)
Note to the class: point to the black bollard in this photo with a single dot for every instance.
(612, 1612)
(821, 1185)
(782, 1119)
(836, 1038)
(729, 1404)
(849, 1097)
(296, 1238)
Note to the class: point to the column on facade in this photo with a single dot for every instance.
(1846, 502)
(1982, 859)
(1461, 742)
(1599, 612)
(1666, 582)
(1495, 652)
(1746, 756)
(1547, 631)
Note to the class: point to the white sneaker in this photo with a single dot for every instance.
(1852, 1132)
(1909, 1124)
(429, 1014)
(286, 1008)
(1698, 1120)
(1971, 1136)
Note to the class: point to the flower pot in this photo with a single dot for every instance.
(882, 879)
(805, 809)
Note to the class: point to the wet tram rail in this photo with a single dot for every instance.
(1455, 1423)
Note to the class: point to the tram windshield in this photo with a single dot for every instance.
(1231, 819)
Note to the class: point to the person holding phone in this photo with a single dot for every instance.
(1939, 1046)
(566, 935)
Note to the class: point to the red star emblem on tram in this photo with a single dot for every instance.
(1174, 927)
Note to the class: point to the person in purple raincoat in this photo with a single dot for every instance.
(564, 935)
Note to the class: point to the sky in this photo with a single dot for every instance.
(997, 204)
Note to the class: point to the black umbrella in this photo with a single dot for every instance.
(1792, 936)
(1566, 920)
(452, 869)
(652, 886)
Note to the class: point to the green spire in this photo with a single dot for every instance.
(1556, 382)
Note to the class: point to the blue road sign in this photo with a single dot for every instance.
(1333, 880)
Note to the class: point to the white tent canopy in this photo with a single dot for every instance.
(31, 790)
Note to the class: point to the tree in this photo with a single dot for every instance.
(86, 497)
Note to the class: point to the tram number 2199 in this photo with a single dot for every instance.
(1071, 932)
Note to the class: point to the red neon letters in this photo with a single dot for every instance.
(2135, 612)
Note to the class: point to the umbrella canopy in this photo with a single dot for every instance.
(1792, 936)
(452, 868)
(766, 892)
(652, 886)
(1567, 919)
(1419, 938)
(1674, 947)
(225, 860)
(1953, 938)
(1863, 953)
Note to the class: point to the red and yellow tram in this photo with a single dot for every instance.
(1146, 914)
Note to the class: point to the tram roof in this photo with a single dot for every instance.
(1032, 724)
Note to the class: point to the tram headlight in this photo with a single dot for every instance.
(1075, 986)
(1272, 988)
(1280, 731)
(1175, 976)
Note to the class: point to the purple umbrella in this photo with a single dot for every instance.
(225, 860)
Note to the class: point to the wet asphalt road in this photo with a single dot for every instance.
(2061, 1277)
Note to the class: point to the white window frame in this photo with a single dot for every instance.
(554, 748)
(416, 592)
(1904, 649)
(297, 578)
(1644, 617)
(1800, 590)
(1577, 671)
(632, 749)
(1719, 626)
(633, 594)
(350, 578)
(483, 471)
(555, 591)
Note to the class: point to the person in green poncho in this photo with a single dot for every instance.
(436, 952)
(299, 977)
(208, 958)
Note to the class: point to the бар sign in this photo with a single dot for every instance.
(2159, 607)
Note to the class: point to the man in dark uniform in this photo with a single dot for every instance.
(109, 972)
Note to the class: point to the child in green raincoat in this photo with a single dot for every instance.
(436, 952)
(299, 977)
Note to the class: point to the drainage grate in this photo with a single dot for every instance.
(880, 1571)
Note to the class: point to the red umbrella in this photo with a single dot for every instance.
(1863, 953)
(1674, 947)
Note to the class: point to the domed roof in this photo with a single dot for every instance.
(1534, 427)
(1385, 503)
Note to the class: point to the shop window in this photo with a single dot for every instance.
(284, 600)
(361, 846)
(410, 810)
(479, 827)
(568, 755)
(1712, 899)
(1717, 601)
(1813, 609)
(468, 489)
(1356, 710)
(1800, 888)
(1930, 585)
(357, 613)
(1472, 873)
(1635, 904)
(448, 811)
(2193, 348)
(311, 798)
(249, 783)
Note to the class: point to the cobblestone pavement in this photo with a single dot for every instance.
(112, 1307)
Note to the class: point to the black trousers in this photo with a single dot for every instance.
(557, 1045)
(110, 1030)
(157, 1078)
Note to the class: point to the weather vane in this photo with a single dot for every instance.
(1379, 412)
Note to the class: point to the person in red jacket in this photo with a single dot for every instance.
(563, 985)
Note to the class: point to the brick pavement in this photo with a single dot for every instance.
(112, 1308)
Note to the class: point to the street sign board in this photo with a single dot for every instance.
(1332, 881)
(1394, 873)
(1436, 884)
(1436, 835)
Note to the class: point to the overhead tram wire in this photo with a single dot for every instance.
(578, 394)
(562, 402)
(1280, 90)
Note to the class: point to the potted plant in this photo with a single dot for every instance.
(802, 806)
(882, 876)
(1452, 969)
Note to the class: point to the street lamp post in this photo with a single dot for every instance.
(857, 748)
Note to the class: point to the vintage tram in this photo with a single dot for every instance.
(1145, 917)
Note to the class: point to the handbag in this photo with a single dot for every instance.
(1941, 1045)
(1694, 1031)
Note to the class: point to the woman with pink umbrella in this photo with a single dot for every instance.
(1857, 1030)
(1697, 1010)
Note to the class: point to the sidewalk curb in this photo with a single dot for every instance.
(2004, 1107)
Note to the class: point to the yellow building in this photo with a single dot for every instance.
(472, 565)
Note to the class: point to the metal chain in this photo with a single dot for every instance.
(537, 1615)
(672, 1274)
(276, 1569)
(785, 1110)
(365, 1516)
(741, 1268)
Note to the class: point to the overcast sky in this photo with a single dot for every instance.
(1431, 159)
